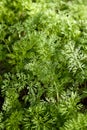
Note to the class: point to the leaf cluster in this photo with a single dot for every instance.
(43, 65)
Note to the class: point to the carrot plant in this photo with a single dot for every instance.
(43, 65)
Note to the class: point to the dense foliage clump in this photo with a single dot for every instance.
(43, 65)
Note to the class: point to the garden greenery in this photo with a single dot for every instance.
(43, 65)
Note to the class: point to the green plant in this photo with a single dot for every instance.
(43, 73)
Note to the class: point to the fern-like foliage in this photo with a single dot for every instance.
(43, 65)
(78, 123)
